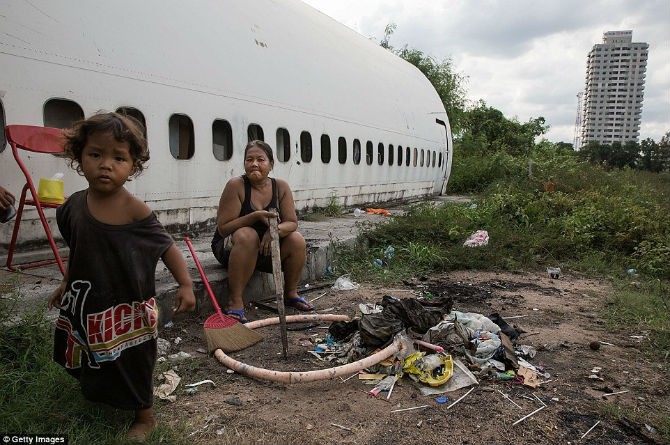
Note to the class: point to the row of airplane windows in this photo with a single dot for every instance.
(62, 113)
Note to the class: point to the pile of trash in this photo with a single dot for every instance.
(443, 349)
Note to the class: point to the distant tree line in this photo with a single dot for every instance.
(646, 155)
(480, 130)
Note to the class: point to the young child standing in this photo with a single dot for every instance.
(107, 327)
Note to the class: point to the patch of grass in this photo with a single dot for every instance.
(642, 306)
(657, 416)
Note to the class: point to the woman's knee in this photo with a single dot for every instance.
(245, 236)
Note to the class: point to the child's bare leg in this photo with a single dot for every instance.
(142, 426)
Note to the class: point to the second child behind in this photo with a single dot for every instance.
(106, 332)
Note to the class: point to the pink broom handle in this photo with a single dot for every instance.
(202, 275)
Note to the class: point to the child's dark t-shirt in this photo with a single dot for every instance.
(107, 327)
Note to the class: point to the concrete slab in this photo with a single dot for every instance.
(36, 284)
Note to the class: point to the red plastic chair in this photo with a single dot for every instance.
(37, 140)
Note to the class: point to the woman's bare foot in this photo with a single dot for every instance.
(144, 424)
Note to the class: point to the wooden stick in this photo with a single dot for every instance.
(515, 316)
(409, 409)
(584, 435)
(508, 398)
(279, 282)
(341, 426)
(461, 398)
(614, 393)
(531, 414)
(314, 299)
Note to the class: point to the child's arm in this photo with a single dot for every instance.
(185, 299)
(57, 295)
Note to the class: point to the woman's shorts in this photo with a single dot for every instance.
(222, 248)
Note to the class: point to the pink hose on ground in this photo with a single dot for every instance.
(307, 376)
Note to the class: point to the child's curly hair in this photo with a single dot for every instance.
(124, 128)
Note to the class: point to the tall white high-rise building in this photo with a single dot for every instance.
(612, 101)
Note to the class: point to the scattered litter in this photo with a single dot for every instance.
(366, 376)
(344, 283)
(529, 415)
(163, 346)
(460, 398)
(235, 401)
(479, 238)
(201, 351)
(615, 393)
(529, 377)
(441, 399)
(190, 391)
(169, 324)
(341, 427)
(461, 378)
(378, 212)
(181, 355)
(370, 308)
(177, 340)
(230, 371)
(409, 409)
(350, 377)
(316, 298)
(202, 382)
(526, 351)
(386, 384)
(554, 272)
(508, 398)
(590, 429)
(164, 390)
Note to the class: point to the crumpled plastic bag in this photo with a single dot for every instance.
(344, 283)
(479, 238)
(432, 369)
(164, 390)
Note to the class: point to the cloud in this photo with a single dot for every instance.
(526, 58)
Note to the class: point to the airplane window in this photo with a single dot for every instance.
(222, 140)
(306, 146)
(440, 160)
(182, 145)
(137, 114)
(399, 155)
(3, 140)
(422, 156)
(255, 133)
(342, 150)
(416, 156)
(408, 156)
(390, 154)
(61, 113)
(380, 153)
(433, 158)
(283, 145)
(325, 148)
(356, 155)
(368, 152)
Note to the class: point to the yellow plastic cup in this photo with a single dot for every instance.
(50, 190)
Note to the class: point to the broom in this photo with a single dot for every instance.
(222, 331)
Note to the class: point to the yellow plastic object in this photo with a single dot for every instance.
(50, 190)
(433, 369)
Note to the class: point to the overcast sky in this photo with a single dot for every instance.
(526, 58)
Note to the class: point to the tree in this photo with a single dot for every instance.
(447, 82)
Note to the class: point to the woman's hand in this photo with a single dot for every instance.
(264, 216)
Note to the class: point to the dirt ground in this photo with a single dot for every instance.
(559, 317)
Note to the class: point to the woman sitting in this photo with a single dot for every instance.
(242, 239)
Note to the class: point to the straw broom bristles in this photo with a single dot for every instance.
(222, 331)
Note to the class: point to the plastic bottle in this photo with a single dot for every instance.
(358, 212)
(378, 262)
(388, 253)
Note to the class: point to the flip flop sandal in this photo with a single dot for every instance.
(237, 314)
(299, 303)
